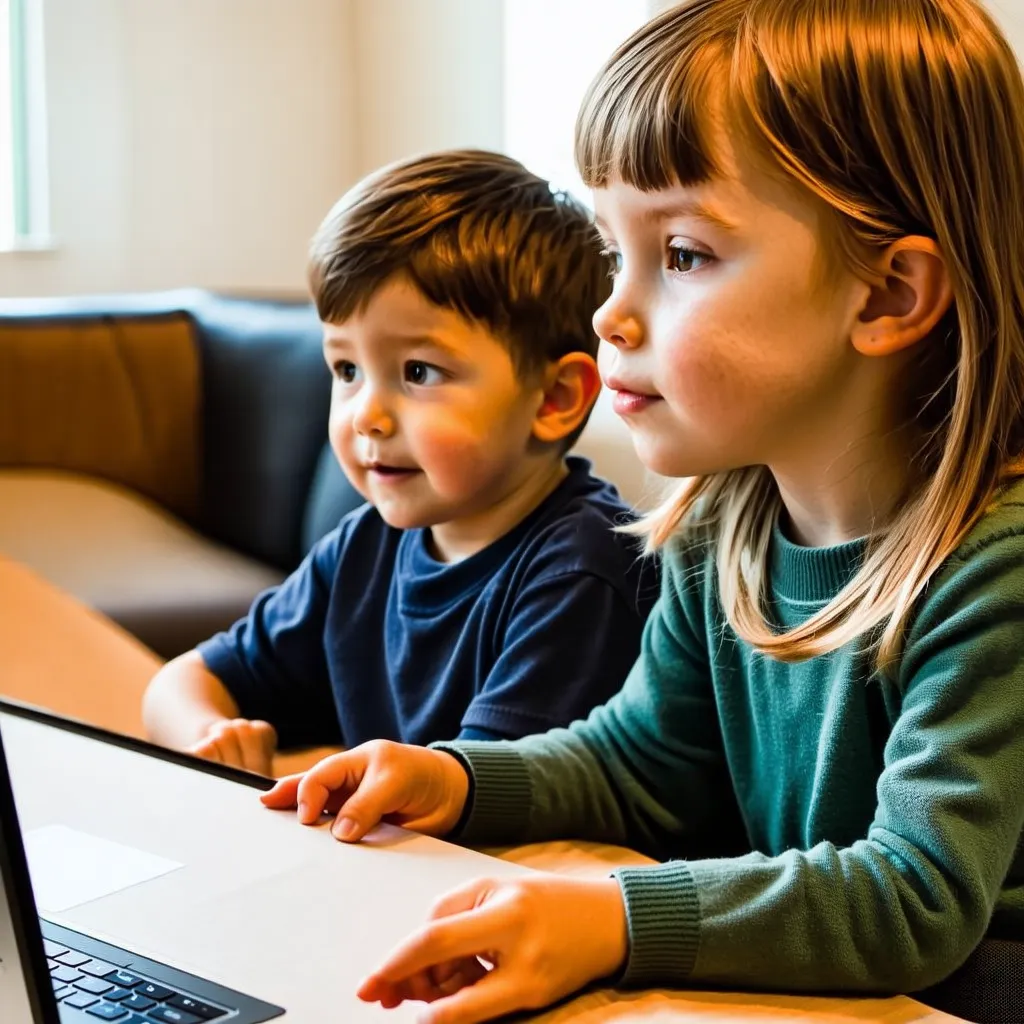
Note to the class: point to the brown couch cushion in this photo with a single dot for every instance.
(127, 557)
(112, 398)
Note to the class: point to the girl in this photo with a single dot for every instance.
(815, 214)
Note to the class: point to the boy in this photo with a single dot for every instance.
(483, 592)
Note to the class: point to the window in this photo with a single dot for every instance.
(7, 143)
(23, 187)
(553, 48)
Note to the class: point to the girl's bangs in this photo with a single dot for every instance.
(646, 118)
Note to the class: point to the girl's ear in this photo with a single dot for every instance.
(911, 295)
(571, 387)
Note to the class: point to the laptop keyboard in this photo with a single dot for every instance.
(108, 992)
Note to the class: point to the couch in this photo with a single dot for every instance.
(163, 455)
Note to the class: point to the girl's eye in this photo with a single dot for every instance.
(683, 260)
(346, 372)
(614, 258)
(423, 374)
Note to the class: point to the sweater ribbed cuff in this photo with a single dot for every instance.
(663, 915)
(498, 807)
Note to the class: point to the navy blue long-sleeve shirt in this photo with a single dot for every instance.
(372, 637)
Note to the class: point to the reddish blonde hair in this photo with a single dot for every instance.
(904, 117)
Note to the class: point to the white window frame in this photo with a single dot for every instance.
(24, 184)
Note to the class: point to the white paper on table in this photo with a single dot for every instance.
(69, 867)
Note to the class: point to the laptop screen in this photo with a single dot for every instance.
(25, 989)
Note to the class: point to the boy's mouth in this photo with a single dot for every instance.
(385, 472)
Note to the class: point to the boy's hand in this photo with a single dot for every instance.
(420, 789)
(240, 743)
(546, 936)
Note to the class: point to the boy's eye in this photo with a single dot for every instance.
(682, 259)
(346, 372)
(614, 258)
(418, 372)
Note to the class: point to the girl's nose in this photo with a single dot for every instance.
(616, 324)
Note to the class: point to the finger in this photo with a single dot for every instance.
(465, 897)
(205, 750)
(228, 749)
(427, 986)
(263, 765)
(394, 996)
(421, 988)
(493, 996)
(390, 995)
(450, 977)
(285, 794)
(457, 937)
(329, 781)
(267, 736)
(252, 749)
(377, 795)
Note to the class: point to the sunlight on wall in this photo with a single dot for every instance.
(552, 50)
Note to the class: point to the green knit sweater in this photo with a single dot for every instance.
(822, 828)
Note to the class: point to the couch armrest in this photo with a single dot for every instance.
(264, 394)
(109, 397)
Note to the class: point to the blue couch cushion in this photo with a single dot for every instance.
(266, 398)
(331, 497)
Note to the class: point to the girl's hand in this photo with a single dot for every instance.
(545, 936)
(420, 789)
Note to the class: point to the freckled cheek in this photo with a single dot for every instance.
(699, 375)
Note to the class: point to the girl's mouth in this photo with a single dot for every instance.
(630, 403)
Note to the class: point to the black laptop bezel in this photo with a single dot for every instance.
(20, 709)
(28, 934)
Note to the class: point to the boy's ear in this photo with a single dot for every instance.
(912, 293)
(571, 387)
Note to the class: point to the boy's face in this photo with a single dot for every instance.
(429, 419)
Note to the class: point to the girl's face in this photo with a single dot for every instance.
(726, 338)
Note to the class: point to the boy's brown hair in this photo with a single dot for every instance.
(476, 233)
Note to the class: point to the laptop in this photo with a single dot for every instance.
(253, 904)
(49, 973)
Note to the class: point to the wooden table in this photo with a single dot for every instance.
(59, 654)
(56, 653)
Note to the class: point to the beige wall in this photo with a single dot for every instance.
(428, 76)
(201, 141)
(191, 142)
(1010, 14)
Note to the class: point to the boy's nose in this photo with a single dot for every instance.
(371, 417)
